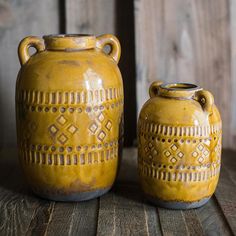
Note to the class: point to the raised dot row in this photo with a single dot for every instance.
(163, 140)
(72, 109)
(53, 148)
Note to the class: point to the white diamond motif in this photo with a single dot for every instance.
(93, 128)
(200, 159)
(167, 153)
(101, 135)
(195, 154)
(53, 129)
(61, 120)
(101, 117)
(173, 159)
(180, 154)
(108, 125)
(72, 129)
(62, 138)
(174, 147)
(200, 147)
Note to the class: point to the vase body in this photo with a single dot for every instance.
(179, 147)
(69, 109)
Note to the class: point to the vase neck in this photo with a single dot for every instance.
(69, 42)
(178, 90)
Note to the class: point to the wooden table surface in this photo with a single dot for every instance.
(123, 211)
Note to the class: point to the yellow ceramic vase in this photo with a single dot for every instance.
(69, 109)
(179, 148)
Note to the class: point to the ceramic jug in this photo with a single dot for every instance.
(179, 145)
(69, 109)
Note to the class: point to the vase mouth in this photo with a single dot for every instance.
(180, 87)
(69, 42)
(178, 90)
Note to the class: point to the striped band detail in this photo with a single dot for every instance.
(169, 130)
(33, 157)
(180, 176)
(69, 97)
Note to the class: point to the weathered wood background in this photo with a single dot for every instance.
(169, 40)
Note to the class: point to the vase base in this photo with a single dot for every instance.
(74, 197)
(177, 205)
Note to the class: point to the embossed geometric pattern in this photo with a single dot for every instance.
(150, 150)
(173, 159)
(72, 129)
(100, 127)
(53, 129)
(101, 135)
(62, 138)
(61, 120)
(66, 129)
(173, 154)
(195, 154)
(180, 154)
(201, 153)
(101, 117)
(93, 127)
(108, 125)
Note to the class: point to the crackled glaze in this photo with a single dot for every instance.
(179, 148)
(69, 106)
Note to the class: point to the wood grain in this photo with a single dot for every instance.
(212, 220)
(121, 212)
(90, 17)
(172, 222)
(186, 41)
(79, 219)
(17, 20)
(17, 205)
(226, 190)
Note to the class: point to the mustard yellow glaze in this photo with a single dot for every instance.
(69, 108)
(179, 143)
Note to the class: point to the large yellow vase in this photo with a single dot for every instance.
(69, 109)
(179, 147)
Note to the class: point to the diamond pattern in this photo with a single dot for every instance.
(61, 120)
(101, 135)
(53, 129)
(150, 145)
(62, 138)
(93, 128)
(180, 154)
(200, 147)
(72, 129)
(201, 159)
(101, 117)
(173, 159)
(195, 154)
(174, 147)
(167, 153)
(108, 125)
(206, 153)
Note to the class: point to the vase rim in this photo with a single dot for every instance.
(69, 42)
(178, 90)
(180, 87)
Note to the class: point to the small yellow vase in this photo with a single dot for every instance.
(69, 109)
(179, 147)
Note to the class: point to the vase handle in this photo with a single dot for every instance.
(206, 99)
(153, 89)
(113, 42)
(25, 44)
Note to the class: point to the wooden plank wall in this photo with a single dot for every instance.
(171, 40)
(17, 20)
(189, 41)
